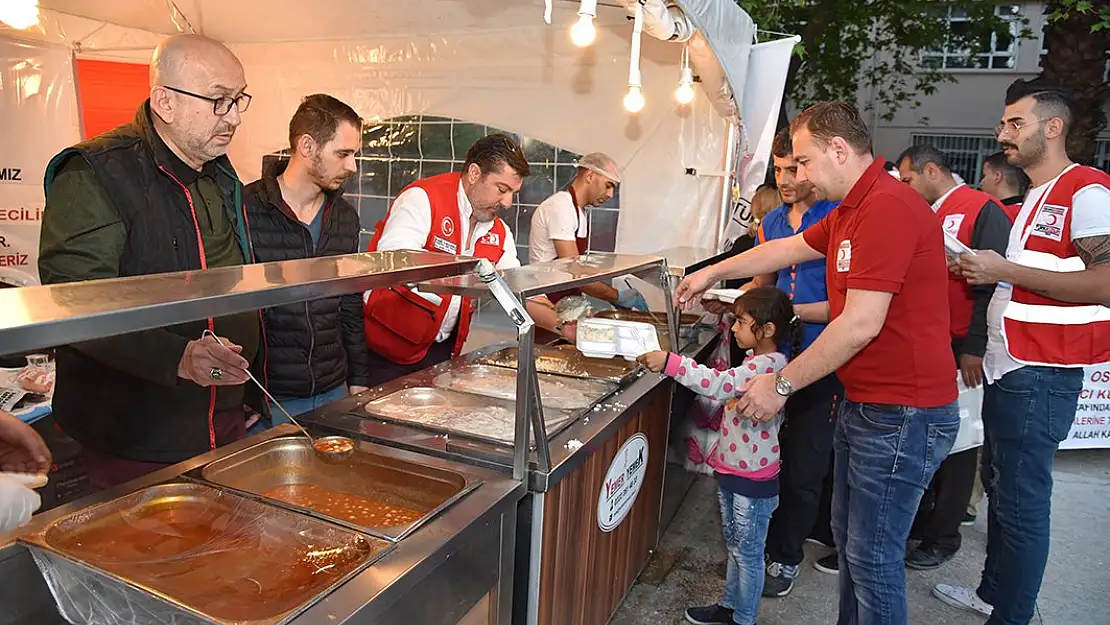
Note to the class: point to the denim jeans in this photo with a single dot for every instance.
(885, 457)
(745, 521)
(1026, 414)
(298, 406)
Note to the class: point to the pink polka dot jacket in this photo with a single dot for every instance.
(747, 448)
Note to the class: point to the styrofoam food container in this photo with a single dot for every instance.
(608, 338)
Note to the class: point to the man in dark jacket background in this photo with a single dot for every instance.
(156, 195)
(312, 351)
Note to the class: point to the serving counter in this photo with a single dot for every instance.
(457, 568)
(259, 531)
(592, 514)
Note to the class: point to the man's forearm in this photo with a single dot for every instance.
(766, 258)
(1091, 286)
(815, 312)
(544, 315)
(601, 291)
(836, 345)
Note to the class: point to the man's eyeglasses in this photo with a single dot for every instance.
(1014, 126)
(220, 106)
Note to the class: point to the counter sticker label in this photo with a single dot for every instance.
(622, 482)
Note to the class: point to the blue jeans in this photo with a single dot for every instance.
(298, 406)
(885, 457)
(1026, 414)
(745, 521)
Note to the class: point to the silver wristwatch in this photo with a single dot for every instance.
(783, 386)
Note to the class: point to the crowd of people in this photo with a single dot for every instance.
(855, 330)
(904, 288)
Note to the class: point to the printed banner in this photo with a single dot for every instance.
(1092, 416)
(38, 117)
(767, 69)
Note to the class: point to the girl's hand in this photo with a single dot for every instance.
(654, 361)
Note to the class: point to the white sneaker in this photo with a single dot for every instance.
(963, 598)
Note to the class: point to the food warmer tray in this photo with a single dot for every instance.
(567, 361)
(560, 393)
(658, 320)
(190, 553)
(459, 414)
(359, 493)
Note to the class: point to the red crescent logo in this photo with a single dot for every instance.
(447, 226)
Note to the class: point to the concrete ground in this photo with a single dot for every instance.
(688, 567)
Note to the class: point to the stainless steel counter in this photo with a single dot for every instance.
(46, 316)
(437, 574)
(562, 274)
(590, 429)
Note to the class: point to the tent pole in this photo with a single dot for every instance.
(726, 186)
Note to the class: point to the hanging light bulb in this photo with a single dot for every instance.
(685, 92)
(634, 99)
(19, 14)
(583, 32)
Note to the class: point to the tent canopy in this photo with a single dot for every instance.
(486, 61)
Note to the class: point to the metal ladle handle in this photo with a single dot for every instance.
(262, 388)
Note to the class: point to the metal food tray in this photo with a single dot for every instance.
(567, 361)
(291, 460)
(460, 414)
(655, 319)
(186, 552)
(560, 393)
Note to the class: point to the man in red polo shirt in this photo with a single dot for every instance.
(888, 341)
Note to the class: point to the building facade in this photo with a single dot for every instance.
(958, 119)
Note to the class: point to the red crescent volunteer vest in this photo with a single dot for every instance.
(401, 325)
(957, 216)
(1041, 331)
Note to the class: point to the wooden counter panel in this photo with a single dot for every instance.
(586, 572)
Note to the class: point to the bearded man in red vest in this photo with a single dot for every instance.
(456, 213)
(979, 221)
(1048, 319)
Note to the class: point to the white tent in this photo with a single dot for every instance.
(494, 62)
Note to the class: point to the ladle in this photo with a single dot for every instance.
(332, 449)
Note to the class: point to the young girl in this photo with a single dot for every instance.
(746, 459)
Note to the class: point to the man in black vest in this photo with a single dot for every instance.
(313, 350)
(156, 195)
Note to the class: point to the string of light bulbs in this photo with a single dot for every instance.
(583, 32)
(684, 94)
(634, 99)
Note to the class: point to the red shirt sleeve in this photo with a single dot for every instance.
(884, 242)
(817, 235)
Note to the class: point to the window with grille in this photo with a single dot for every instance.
(997, 50)
(1102, 155)
(401, 150)
(965, 153)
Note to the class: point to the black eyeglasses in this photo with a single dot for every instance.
(220, 106)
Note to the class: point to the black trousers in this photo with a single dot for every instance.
(944, 504)
(822, 527)
(806, 440)
(383, 370)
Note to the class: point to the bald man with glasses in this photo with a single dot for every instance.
(155, 195)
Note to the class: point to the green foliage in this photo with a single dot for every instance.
(1065, 8)
(879, 45)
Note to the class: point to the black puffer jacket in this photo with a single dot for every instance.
(310, 347)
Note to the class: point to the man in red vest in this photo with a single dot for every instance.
(456, 213)
(978, 221)
(1049, 318)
